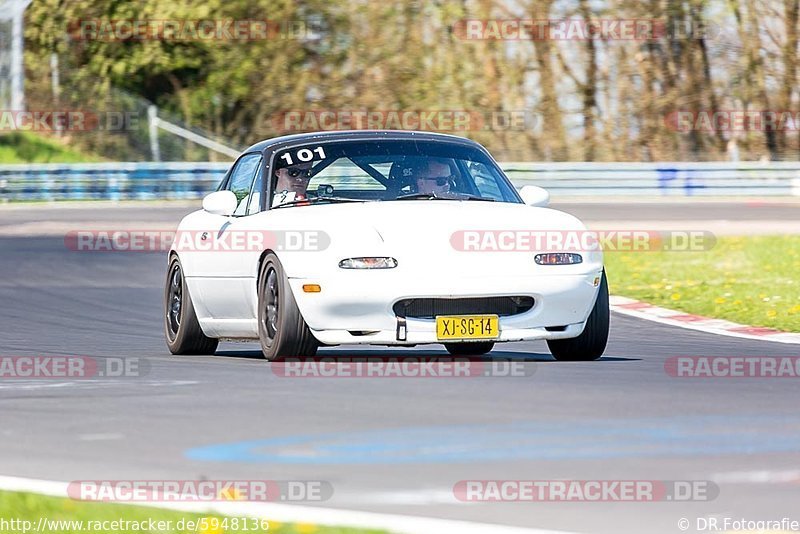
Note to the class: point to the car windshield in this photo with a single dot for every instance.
(349, 171)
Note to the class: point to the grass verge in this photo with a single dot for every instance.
(99, 517)
(25, 147)
(751, 280)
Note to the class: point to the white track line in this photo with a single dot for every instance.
(287, 513)
(758, 477)
(642, 310)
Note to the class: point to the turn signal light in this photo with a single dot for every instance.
(368, 263)
(558, 258)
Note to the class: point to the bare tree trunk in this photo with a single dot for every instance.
(588, 91)
(790, 21)
(753, 77)
(707, 83)
(555, 140)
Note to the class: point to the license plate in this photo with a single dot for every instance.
(467, 327)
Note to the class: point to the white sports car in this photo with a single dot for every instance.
(380, 238)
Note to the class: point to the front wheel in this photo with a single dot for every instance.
(181, 326)
(281, 328)
(592, 342)
(477, 348)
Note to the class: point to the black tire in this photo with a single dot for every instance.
(281, 328)
(181, 328)
(476, 348)
(592, 342)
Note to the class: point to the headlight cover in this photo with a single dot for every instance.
(558, 258)
(368, 263)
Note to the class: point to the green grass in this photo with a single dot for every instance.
(31, 507)
(25, 147)
(749, 280)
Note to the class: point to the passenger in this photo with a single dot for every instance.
(291, 183)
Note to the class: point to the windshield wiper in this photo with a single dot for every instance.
(416, 196)
(314, 200)
(475, 197)
(450, 196)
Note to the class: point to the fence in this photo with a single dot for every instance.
(146, 181)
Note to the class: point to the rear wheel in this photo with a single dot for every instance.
(281, 328)
(592, 342)
(181, 327)
(469, 349)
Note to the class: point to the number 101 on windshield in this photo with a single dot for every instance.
(304, 155)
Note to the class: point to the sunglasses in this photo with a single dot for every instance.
(440, 180)
(294, 173)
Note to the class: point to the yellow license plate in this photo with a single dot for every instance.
(467, 327)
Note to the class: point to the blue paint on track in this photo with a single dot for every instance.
(567, 440)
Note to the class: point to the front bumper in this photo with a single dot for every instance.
(356, 307)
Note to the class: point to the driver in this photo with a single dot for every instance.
(291, 183)
(432, 176)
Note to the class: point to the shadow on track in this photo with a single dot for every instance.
(405, 353)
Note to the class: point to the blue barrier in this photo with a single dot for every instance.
(109, 181)
(148, 181)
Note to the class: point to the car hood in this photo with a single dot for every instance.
(426, 235)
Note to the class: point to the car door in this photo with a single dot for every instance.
(222, 262)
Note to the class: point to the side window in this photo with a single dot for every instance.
(485, 181)
(255, 193)
(242, 180)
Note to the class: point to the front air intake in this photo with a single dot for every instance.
(428, 308)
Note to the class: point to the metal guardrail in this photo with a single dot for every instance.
(146, 181)
(109, 181)
(660, 179)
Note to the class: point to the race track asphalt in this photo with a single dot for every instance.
(395, 445)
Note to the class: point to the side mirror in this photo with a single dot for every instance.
(220, 203)
(535, 196)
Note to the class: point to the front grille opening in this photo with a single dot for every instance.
(428, 308)
(555, 328)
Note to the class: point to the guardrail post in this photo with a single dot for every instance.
(152, 119)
